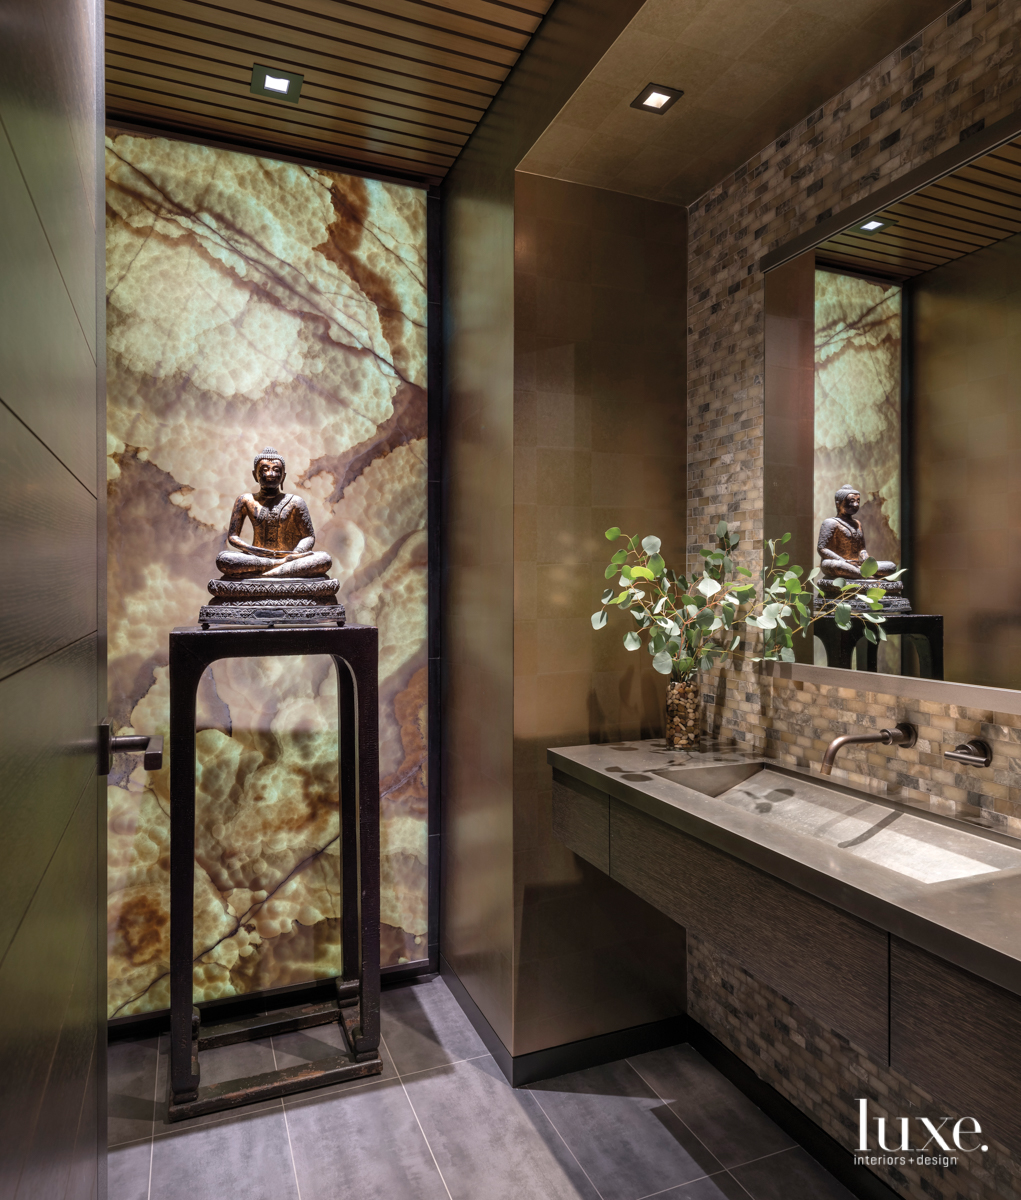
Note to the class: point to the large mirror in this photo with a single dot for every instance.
(893, 366)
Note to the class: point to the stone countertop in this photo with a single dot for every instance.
(973, 922)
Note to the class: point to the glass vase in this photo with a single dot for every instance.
(683, 714)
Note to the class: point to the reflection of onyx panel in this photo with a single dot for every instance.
(255, 303)
(968, 460)
(857, 403)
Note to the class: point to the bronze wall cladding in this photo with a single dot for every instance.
(958, 1037)
(599, 287)
(820, 1072)
(52, 1107)
(478, 823)
(831, 964)
(968, 450)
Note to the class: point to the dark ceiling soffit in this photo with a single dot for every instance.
(262, 150)
(1005, 130)
(571, 38)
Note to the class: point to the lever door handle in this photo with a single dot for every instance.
(150, 745)
(974, 753)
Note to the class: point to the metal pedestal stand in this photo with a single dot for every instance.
(924, 630)
(354, 651)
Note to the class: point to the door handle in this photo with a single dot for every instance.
(150, 745)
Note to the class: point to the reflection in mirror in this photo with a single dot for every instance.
(916, 368)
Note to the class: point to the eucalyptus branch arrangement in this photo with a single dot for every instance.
(690, 625)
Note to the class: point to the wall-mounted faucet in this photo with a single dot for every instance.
(901, 735)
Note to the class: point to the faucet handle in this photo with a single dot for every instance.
(975, 753)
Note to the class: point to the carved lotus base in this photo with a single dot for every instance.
(273, 602)
(894, 600)
(260, 588)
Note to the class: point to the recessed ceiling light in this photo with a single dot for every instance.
(276, 84)
(656, 98)
(874, 225)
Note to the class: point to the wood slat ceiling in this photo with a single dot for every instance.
(393, 87)
(977, 205)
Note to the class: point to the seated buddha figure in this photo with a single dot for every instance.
(282, 534)
(842, 540)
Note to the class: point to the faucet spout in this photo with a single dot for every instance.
(901, 735)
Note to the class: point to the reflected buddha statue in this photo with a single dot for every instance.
(277, 577)
(841, 554)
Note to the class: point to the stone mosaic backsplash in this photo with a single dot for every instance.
(794, 721)
(256, 303)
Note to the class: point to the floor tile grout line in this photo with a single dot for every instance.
(418, 1122)
(687, 1183)
(676, 1114)
(440, 1066)
(772, 1154)
(740, 1184)
(155, 1101)
(564, 1140)
(287, 1127)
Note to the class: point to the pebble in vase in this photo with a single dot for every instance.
(683, 714)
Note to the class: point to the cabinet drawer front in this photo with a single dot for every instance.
(832, 965)
(581, 820)
(958, 1037)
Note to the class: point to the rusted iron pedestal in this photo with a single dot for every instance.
(354, 650)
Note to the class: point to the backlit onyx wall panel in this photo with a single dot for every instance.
(255, 303)
(857, 403)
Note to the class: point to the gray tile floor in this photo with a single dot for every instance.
(441, 1123)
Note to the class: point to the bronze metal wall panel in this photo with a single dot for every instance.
(47, 756)
(47, 371)
(788, 446)
(832, 964)
(47, 996)
(50, 540)
(598, 392)
(957, 1037)
(968, 461)
(53, 1098)
(477, 934)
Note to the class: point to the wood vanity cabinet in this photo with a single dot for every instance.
(958, 1037)
(581, 820)
(831, 964)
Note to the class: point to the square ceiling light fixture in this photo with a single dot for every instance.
(874, 225)
(276, 84)
(656, 98)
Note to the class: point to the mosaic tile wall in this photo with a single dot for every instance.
(255, 303)
(823, 1074)
(958, 75)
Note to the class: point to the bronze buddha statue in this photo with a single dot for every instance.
(282, 533)
(842, 551)
(278, 577)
